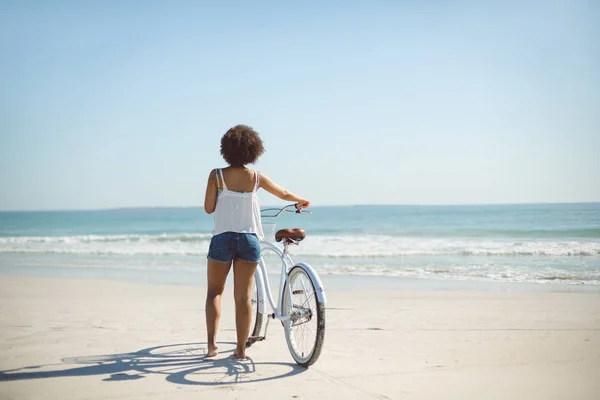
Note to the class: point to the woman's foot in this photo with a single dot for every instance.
(241, 355)
(213, 350)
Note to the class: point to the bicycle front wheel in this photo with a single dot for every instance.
(305, 330)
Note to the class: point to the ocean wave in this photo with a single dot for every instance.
(456, 269)
(335, 247)
(380, 246)
(490, 277)
(186, 237)
(580, 233)
(491, 273)
(125, 245)
(552, 252)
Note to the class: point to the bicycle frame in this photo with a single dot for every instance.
(263, 282)
(261, 277)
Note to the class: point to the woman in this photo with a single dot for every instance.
(231, 193)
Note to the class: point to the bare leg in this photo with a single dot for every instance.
(243, 273)
(217, 275)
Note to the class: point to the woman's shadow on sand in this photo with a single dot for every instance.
(184, 363)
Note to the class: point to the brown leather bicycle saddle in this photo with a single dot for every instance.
(296, 234)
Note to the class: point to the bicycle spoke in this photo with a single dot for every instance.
(308, 299)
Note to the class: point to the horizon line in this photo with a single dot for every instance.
(317, 206)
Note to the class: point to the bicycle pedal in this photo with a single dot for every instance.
(253, 339)
(298, 291)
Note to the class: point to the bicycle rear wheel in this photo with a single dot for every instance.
(256, 315)
(305, 330)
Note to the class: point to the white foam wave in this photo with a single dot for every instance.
(470, 272)
(366, 246)
(373, 246)
(185, 237)
(185, 244)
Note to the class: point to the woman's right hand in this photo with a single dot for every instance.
(302, 204)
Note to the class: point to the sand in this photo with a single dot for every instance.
(65, 338)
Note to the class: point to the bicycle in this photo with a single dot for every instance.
(301, 297)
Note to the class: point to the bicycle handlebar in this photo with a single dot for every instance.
(281, 210)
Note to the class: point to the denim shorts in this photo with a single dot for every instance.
(229, 246)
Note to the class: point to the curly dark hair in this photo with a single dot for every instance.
(241, 145)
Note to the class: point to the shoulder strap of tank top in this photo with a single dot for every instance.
(256, 178)
(220, 172)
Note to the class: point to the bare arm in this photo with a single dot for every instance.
(210, 198)
(284, 194)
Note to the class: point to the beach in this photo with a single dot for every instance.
(73, 338)
(438, 157)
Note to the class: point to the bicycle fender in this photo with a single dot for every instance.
(319, 289)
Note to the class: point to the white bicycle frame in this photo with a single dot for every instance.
(261, 278)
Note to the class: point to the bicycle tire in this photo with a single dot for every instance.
(310, 355)
(258, 317)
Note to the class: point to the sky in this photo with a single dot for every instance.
(108, 104)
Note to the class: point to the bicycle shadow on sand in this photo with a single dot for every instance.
(184, 364)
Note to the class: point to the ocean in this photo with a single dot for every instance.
(537, 243)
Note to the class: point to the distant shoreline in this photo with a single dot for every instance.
(143, 208)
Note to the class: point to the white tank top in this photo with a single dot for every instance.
(236, 211)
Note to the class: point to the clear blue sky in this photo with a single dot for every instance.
(122, 103)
